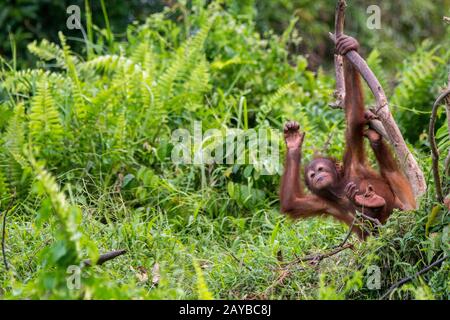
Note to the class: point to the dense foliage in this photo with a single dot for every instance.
(85, 166)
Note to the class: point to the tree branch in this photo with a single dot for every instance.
(339, 93)
(241, 263)
(432, 141)
(407, 279)
(105, 257)
(447, 110)
(394, 136)
(315, 259)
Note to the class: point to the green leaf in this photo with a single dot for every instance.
(127, 179)
(431, 218)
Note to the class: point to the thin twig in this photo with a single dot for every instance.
(339, 93)
(283, 275)
(350, 231)
(315, 259)
(374, 220)
(239, 261)
(29, 256)
(5, 261)
(432, 141)
(447, 164)
(105, 257)
(327, 143)
(407, 279)
(447, 110)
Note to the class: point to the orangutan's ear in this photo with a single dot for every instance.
(339, 168)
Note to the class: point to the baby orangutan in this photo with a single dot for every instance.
(338, 190)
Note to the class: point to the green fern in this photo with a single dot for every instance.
(443, 139)
(23, 81)
(274, 99)
(45, 128)
(68, 217)
(417, 77)
(143, 55)
(77, 92)
(48, 51)
(185, 58)
(202, 289)
(15, 135)
(4, 189)
(110, 64)
(198, 81)
(417, 90)
(16, 167)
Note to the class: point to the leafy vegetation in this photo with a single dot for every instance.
(86, 167)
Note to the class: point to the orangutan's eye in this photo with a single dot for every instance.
(319, 169)
(311, 175)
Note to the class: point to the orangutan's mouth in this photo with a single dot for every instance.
(319, 179)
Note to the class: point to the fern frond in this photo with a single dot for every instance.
(279, 94)
(110, 64)
(23, 81)
(67, 216)
(48, 51)
(45, 129)
(70, 61)
(417, 78)
(202, 289)
(266, 108)
(417, 90)
(15, 165)
(198, 81)
(139, 53)
(185, 58)
(4, 188)
(14, 139)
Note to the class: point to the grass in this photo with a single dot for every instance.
(238, 254)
